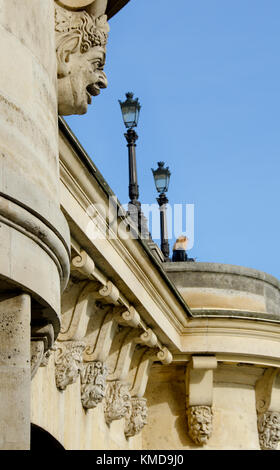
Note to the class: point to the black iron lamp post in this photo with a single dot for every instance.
(130, 111)
(162, 177)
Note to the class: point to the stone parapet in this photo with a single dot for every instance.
(221, 290)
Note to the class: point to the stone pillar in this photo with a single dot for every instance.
(34, 236)
(15, 372)
(34, 251)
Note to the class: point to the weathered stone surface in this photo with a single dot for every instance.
(15, 372)
(35, 233)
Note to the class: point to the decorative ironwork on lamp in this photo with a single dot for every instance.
(162, 177)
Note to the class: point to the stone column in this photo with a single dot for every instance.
(15, 372)
(34, 236)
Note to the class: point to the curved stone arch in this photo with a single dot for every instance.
(42, 439)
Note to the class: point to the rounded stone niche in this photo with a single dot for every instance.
(213, 289)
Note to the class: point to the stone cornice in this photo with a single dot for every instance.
(80, 191)
(236, 340)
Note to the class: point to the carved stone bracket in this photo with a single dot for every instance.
(137, 419)
(268, 409)
(110, 293)
(37, 354)
(112, 331)
(42, 338)
(47, 356)
(98, 349)
(117, 401)
(68, 362)
(199, 398)
(93, 384)
(129, 317)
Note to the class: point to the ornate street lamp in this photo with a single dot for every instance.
(130, 111)
(162, 178)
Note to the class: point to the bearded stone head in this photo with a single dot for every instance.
(200, 423)
(81, 40)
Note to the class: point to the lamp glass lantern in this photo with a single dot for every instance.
(130, 111)
(161, 177)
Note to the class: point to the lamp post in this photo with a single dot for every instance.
(162, 177)
(130, 111)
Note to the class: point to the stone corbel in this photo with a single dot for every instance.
(110, 293)
(84, 264)
(68, 362)
(42, 339)
(81, 307)
(47, 355)
(148, 338)
(199, 400)
(99, 349)
(120, 359)
(268, 409)
(94, 373)
(137, 418)
(129, 317)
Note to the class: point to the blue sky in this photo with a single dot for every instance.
(207, 74)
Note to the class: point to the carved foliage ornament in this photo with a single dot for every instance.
(93, 383)
(269, 430)
(135, 422)
(200, 423)
(68, 363)
(118, 401)
(80, 47)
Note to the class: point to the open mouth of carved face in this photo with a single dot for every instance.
(88, 96)
(93, 89)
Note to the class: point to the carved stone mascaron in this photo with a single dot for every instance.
(269, 430)
(93, 383)
(200, 423)
(118, 401)
(137, 419)
(80, 47)
(68, 362)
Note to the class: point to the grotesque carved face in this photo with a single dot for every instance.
(118, 401)
(138, 417)
(93, 384)
(269, 430)
(68, 363)
(81, 50)
(200, 423)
